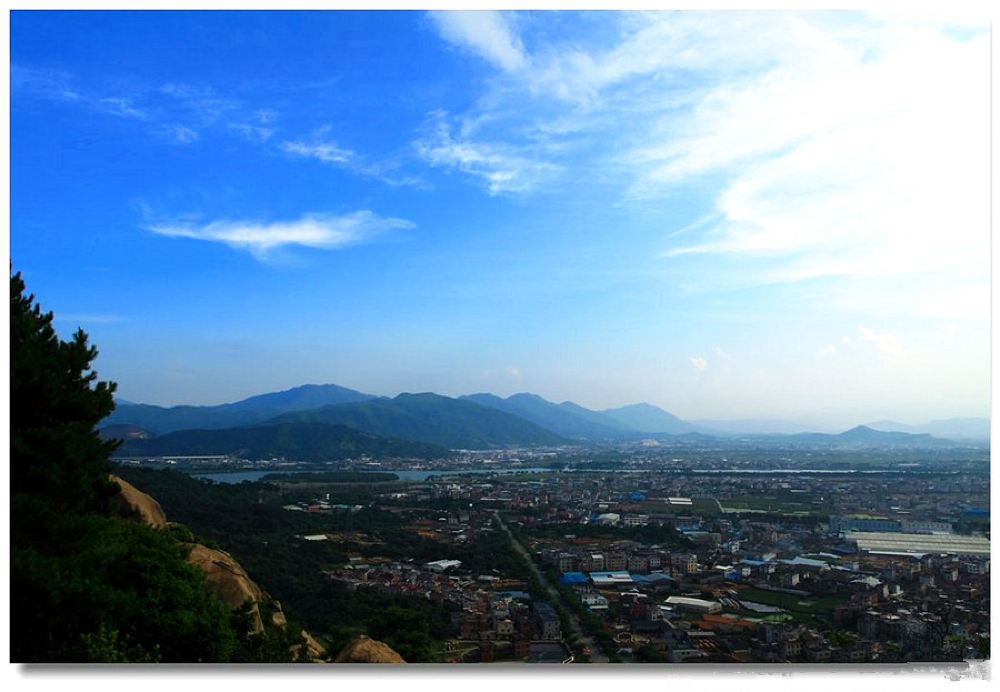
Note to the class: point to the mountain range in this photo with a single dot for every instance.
(434, 419)
(951, 428)
(862, 435)
(566, 419)
(257, 409)
(323, 414)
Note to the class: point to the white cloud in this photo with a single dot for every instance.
(253, 133)
(184, 135)
(183, 111)
(513, 372)
(321, 231)
(698, 363)
(487, 33)
(887, 344)
(860, 153)
(499, 168)
(322, 149)
(837, 146)
(122, 107)
(327, 152)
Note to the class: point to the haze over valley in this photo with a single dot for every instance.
(325, 422)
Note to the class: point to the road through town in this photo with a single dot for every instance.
(596, 655)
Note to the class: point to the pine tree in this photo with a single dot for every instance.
(85, 584)
(55, 405)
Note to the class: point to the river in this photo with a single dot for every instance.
(240, 476)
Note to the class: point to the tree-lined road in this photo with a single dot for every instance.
(596, 655)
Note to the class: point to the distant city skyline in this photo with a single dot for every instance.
(727, 215)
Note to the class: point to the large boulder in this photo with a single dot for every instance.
(362, 649)
(229, 581)
(139, 506)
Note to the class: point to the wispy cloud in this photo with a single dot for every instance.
(500, 168)
(887, 344)
(252, 133)
(698, 363)
(844, 147)
(181, 111)
(56, 85)
(119, 106)
(327, 152)
(486, 33)
(42, 83)
(320, 231)
(829, 161)
(321, 147)
(199, 106)
(184, 135)
(187, 113)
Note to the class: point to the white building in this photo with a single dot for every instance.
(694, 605)
(442, 565)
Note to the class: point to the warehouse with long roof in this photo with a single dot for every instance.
(919, 543)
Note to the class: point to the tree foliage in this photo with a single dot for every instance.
(86, 585)
(406, 631)
(57, 457)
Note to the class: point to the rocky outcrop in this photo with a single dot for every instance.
(278, 618)
(361, 649)
(227, 580)
(137, 505)
(309, 650)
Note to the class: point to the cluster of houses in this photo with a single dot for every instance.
(757, 604)
(883, 576)
(494, 613)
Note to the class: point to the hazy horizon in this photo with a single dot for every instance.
(818, 425)
(729, 215)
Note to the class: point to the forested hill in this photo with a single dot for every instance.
(434, 419)
(251, 411)
(293, 441)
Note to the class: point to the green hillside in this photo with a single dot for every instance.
(434, 419)
(292, 441)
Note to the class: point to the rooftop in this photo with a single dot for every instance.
(876, 542)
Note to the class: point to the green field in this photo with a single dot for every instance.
(791, 602)
(702, 505)
(777, 503)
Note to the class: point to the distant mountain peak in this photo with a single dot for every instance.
(859, 429)
(528, 396)
(863, 433)
(567, 419)
(249, 411)
(647, 418)
(949, 428)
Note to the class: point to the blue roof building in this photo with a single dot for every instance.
(513, 595)
(652, 578)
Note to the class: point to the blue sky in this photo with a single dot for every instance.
(724, 214)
